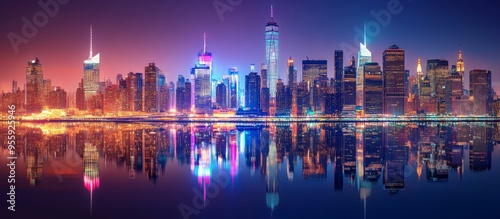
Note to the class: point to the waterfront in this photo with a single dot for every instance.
(221, 170)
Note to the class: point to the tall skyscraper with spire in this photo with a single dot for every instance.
(420, 76)
(272, 53)
(91, 73)
(364, 56)
(202, 76)
(460, 64)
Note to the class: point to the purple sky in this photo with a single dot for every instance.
(131, 33)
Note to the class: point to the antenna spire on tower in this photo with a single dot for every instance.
(364, 34)
(272, 10)
(204, 43)
(90, 42)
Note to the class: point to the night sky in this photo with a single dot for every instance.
(131, 33)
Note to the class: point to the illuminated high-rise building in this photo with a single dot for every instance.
(252, 91)
(272, 53)
(57, 99)
(313, 69)
(339, 68)
(292, 73)
(420, 76)
(80, 97)
(138, 99)
(171, 97)
(202, 89)
(283, 105)
(373, 91)
(130, 91)
(201, 75)
(437, 71)
(349, 89)
(91, 74)
(460, 64)
(151, 88)
(34, 86)
(394, 81)
(183, 95)
(480, 91)
(221, 96)
(233, 89)
(364, 56)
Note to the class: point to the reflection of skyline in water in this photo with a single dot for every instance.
(360, 155)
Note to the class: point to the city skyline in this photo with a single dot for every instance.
(291, 36)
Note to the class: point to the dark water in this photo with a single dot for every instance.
(377, 170)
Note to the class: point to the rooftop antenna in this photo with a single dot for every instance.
(272, 10)
(90, 42)
(204, 43)
(364, 34)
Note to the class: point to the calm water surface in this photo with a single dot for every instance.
(298, 170)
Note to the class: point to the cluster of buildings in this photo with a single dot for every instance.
(363, 88)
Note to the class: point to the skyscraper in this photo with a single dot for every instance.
(349, 88)
(252, 92)
(272, 53)
(233, 89)
(151, 88)
(480, 91)
(139, 100)
(202, 89)
(171, 93)
(314, 74)
(339, 67)
(312, 69)
(420, 76)
(91, 73)
(183, 95)
(373, 89)
(130, 91)
(292, 73)
(364, 56)
(221, 96)
(437, 71)
(394, 81)
(460, 64)
(34, 86)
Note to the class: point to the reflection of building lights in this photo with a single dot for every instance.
(91, 184)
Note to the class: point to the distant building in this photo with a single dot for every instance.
(183, 96)
(234, 100)
(221, 96)
(252, 92)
